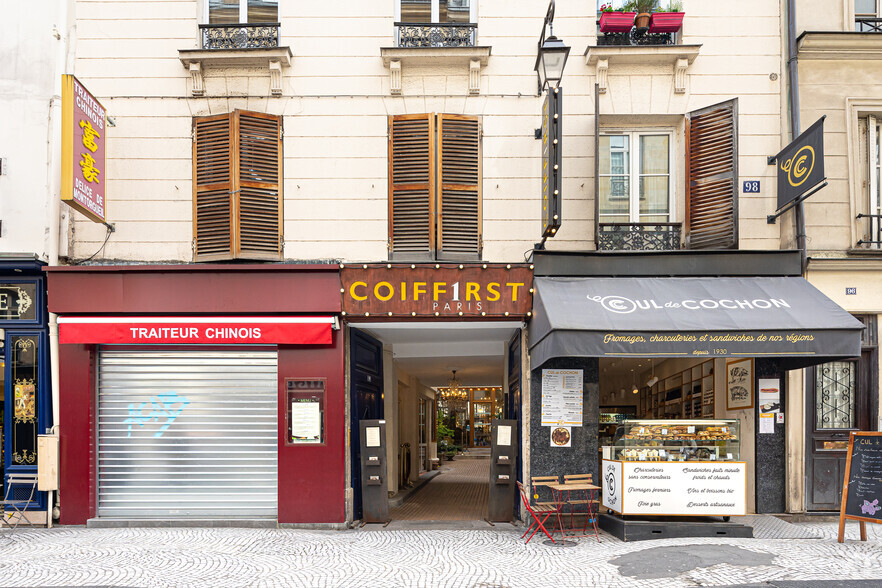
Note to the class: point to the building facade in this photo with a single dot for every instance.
(388, 138)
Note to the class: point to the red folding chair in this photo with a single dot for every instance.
(539, 514)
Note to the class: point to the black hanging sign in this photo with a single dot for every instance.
(862, 492)
(801, 164)
(551, 162)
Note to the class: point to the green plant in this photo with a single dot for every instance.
(640, 6)
(673, 6)
(443, 432)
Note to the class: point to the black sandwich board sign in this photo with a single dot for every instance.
(862, 492)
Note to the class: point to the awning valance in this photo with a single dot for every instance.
(783, 317)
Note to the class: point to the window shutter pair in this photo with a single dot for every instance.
(237, 186)
(712, 177)
(435, 187)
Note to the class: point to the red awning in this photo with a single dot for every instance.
(300, 330)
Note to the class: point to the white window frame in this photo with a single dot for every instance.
(855, 15)
(436, 11)
(874, 167)
(634, 155)
(243, 11)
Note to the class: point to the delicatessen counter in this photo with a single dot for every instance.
(675, 468)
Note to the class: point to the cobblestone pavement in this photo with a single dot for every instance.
(456, 558)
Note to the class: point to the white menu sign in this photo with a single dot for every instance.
(675, 488)
(561, 398)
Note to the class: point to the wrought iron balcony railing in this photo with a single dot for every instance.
(263, 35)
(635, 37)
(436, 35)
(875, 232)
(868, 25)
(639, 237)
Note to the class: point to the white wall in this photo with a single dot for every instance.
(34, 44)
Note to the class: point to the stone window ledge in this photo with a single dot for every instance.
(470, 58)
(678, 56)
(839, 45)
(197, 60)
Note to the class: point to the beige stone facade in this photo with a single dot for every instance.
(336, 96)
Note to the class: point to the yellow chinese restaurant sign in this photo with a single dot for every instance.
(83, 153)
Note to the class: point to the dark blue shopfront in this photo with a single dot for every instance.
(26, 405)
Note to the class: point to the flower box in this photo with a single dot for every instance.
(616, 22)
(666, 22)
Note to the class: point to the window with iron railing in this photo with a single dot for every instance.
(435, 23)
(655, 34)
(240, 24)
(868, 16)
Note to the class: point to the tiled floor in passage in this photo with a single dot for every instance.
(458, 493)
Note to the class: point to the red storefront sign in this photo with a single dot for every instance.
(83, 154)
(308, 330)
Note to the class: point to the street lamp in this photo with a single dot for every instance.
(552, 54)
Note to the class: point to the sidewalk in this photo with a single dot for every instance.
(371, 557)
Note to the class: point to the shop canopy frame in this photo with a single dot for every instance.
(781, 317)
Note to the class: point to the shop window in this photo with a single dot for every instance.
(24, 381)
(237, 186)
(435, 187)
(868, 16)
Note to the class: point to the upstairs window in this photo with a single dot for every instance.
(635, 188)
(868, 16)
(436, 11)
(871, 229)
(434, 187)
(237, 186)
(436, 23)
(240, 24)
(220, 12)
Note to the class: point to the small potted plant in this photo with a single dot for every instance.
(644, 10)
(667, 20)
(615, 21)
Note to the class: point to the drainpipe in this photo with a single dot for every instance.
(793, 74)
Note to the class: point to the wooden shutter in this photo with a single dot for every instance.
(259, 167)
(459, 165)
(237, 186)
(411, 186)
(212, 188)
(712, 177)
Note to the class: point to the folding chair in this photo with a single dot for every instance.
(578, 479)
(538, 512)
(537, 482)
(588, 501)
(20, 492)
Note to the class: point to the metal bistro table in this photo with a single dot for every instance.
(563, 497)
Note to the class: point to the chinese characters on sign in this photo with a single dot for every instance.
(562, 400)
(83, 150)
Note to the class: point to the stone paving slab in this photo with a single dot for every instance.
(411, 558)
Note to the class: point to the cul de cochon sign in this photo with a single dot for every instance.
(437, 290)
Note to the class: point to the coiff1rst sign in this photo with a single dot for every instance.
(83, 153)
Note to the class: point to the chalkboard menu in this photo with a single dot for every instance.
(862, 492)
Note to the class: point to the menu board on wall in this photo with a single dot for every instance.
(562, 398)
(862, 492)
(305, 414)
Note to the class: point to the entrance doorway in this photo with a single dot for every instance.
(439, 433)
(839, 404)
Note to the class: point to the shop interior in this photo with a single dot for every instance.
(688, 393)
(444, 383)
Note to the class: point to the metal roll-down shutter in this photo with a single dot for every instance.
(187, 433)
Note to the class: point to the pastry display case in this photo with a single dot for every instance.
(675, 440)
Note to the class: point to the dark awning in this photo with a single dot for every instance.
(779, 317)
